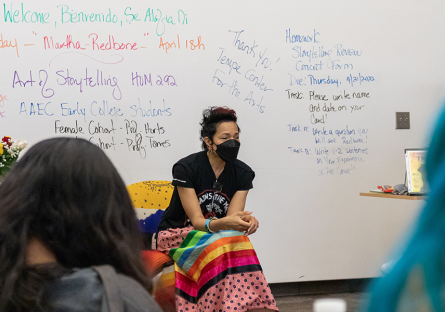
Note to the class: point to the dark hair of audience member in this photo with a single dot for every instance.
(66, 193)
(211, 118)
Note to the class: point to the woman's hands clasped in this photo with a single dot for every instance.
(242, 221)
(254, 224)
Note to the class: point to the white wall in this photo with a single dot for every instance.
(314, 224)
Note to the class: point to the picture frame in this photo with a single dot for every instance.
(415, 171)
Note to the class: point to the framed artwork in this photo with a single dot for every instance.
(415, 171)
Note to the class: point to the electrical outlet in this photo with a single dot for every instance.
(402, 120)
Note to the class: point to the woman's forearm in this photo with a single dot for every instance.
(217, 225)
(233, 222)
(199, 224)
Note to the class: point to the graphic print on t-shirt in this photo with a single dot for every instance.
(220, 204)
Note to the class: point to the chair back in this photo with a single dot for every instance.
(150, 199)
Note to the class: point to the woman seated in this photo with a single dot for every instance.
(216, 269)
(69, 237)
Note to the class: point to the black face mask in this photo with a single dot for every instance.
(228, 150)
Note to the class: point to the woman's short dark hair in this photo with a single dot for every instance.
(66, 193)
(211, 118)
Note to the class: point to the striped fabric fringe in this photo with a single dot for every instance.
(204, 259)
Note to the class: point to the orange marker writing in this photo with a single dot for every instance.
(6, 44)
(2, 100)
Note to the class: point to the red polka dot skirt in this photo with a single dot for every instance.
(215, 272)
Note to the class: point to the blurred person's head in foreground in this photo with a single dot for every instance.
(65, 197)
(417, 280)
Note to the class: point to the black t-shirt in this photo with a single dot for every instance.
(195, 172)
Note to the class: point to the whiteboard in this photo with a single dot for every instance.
(315, 85)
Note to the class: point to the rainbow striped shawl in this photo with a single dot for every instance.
(204, 259)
